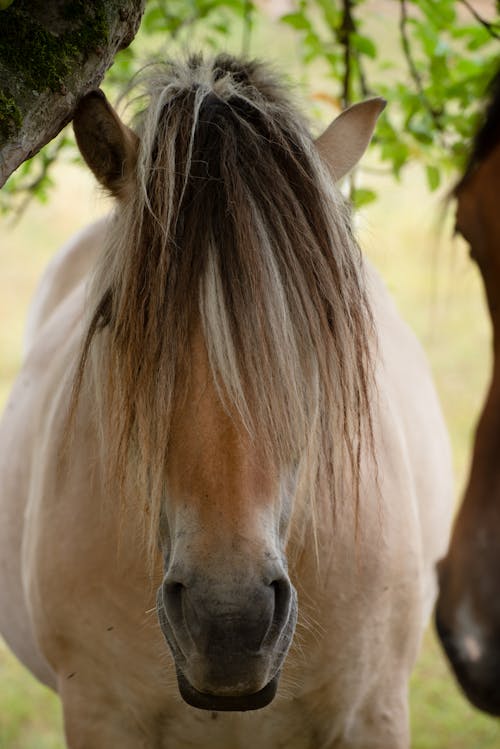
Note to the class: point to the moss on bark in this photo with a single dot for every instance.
(10, 116)
(51, 53)
(42, 56)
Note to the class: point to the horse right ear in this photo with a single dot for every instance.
(345, 140)
(108, 146)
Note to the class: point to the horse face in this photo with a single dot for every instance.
(478, 221)
(468, 609)
(226, 605)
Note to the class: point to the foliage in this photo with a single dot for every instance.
(431, 61)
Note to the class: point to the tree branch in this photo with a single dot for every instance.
(346, 28)
(363, 81)
(51, 54)
(415, 75)
(490, 27)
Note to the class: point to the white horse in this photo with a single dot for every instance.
(229, 425)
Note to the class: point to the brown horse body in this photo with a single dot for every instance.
(238, 486)
(468, 612)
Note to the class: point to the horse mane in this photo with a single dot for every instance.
(233, 228)
(488, 135)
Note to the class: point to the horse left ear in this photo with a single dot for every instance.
(108, 146)
(346, 139)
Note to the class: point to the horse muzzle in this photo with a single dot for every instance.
(229, 642)
(475, 663)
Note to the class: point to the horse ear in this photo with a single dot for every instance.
(108, 146)
(346, 139)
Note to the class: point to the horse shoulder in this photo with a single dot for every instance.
(406, 387)
(22, 446)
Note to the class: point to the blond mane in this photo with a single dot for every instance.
(233, 226)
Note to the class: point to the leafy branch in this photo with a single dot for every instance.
(434, 112)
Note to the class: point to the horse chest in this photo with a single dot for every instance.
(276, 727)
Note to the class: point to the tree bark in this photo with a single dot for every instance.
(51, 54)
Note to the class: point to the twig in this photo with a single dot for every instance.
(490, 27)
(347, 27)
(345, 30)
(365, 89)
(415, 75)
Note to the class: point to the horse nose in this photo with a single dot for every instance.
(229, 635)
(227, 618)
(475, 661)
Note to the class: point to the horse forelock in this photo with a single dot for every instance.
(234, 229)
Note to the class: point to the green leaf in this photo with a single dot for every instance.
(440, 14)
(153, 20)
(423, 130)
(364, 44)
(395, 151)
(361, 196)
(330, 13)
(479, 40)
(297, 21)
(433, 176)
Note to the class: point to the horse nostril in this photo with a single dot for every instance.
(282, 596)
(172, 599)
(173, 589)
(282, 590)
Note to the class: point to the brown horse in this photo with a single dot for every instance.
(228, 425)
(468, 611)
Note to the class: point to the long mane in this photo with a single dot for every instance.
(234, 228)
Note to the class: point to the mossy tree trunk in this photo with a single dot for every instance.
(51, 53)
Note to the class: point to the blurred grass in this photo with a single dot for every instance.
(30, 715)
(438, 292)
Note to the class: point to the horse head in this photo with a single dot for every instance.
(223, 340)
(468, 610)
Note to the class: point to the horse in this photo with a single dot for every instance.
(225, 473)
(468, 613)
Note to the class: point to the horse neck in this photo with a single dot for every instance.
(478, 220)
